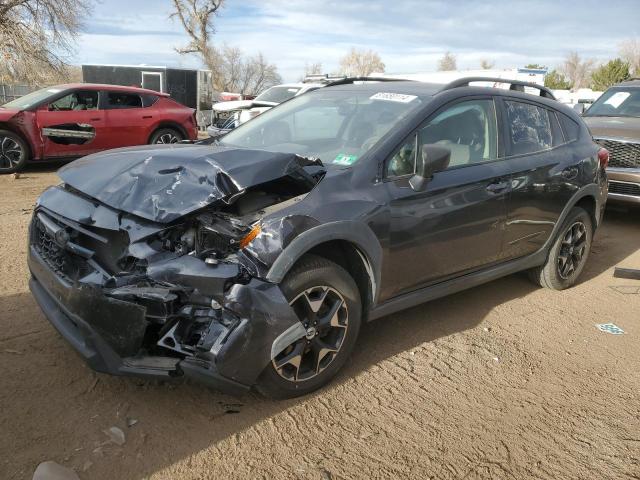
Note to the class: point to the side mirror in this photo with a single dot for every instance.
(434, 159)
(579, 108)
(43, 108)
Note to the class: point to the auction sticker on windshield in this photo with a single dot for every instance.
(617, 99)
(342, 159)
(393, 97)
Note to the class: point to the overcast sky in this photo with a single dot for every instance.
(409, 35)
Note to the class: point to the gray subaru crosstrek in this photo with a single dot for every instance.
(614, 121)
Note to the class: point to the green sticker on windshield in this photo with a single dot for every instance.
(342, 159)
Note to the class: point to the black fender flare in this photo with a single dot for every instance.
(591, 190)
(357, 233)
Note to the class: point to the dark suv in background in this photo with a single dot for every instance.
(614, 121)
(254, 261)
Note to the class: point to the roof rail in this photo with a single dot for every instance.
(517, 85)
(348, 80)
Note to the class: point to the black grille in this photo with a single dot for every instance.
(62, 262)
(224, 119)
(623, 188)
(622, 154)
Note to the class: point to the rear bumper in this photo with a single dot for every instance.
(624, 185)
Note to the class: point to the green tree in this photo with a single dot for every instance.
(556, 81)
(612, 72)
(535, 66)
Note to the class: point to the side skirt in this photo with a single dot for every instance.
(455, 285)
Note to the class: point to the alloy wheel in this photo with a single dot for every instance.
(572, 250)
(10, 152)
(323, 312)
(167, 138)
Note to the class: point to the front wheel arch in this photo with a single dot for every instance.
(28, 149)
(353, 236)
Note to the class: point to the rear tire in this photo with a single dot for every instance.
(569, 253)
(327, 300)
(166, 136)
(14, 152)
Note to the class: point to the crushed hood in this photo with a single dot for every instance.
(164, 182)
(627, 128)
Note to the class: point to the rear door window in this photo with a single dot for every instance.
(120, 100)
(529, 128)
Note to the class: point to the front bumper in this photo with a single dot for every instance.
(87, 335)
(109, 333)
(215, 132)
(624, 185)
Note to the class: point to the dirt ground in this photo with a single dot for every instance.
(502, 381)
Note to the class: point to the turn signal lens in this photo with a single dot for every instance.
(603, 157)
(248, 238)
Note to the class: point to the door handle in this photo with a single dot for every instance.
(497, 187)
(147, 116)
(95, 119)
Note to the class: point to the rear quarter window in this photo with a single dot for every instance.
(556, 131)
(148, 100)
(570, 127)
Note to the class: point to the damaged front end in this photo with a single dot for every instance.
(145, 270)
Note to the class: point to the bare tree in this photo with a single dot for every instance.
(231, 70)
(36, 36)
(630, 53)
(360, 63)
(246, 75)
(486, 64)
(196, 17)
(447, 62)
(577, 71)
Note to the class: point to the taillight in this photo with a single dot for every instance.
(603, 157)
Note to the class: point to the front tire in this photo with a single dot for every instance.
(569, 253)
(327, 301)
(166, 136)
(14, 152)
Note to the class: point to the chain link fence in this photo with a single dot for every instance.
(11, 92)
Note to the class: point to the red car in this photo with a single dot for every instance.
(73, 120)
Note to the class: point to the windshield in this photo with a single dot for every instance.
(277, 94)
(616, 102)
(336, 126)
(31, 99)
